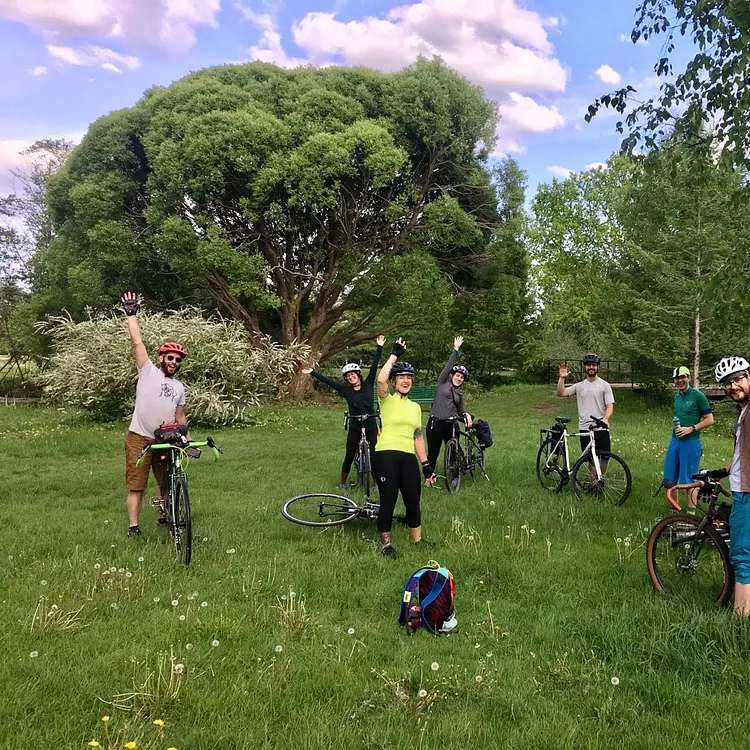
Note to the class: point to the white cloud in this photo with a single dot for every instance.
(39, 70)
(563, 172)
(268, 48)
(607, 74)
(92, 55)
(161, 25)
(521, 114)
(597, 165)
(641, 40)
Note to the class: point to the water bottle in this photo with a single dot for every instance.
(675, 425)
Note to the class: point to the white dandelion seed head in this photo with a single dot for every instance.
(434, 666)
(477, 645)
(140, 559)
(128, 574)
(230, 551)
(507, 536)
(471, 537)
(188, 647)
(44, 583)
(524, 526)
(204, 604)
(205, 538)
(113, 570)
(214, 643)
(182, 618)
(278, 649)
(53, 608)
(422, 693)
(106, 521)
(619, 541)
(478, 679)
(492, 502)
(350, 631)
(156, 599)
(615, 681)
(112, 546)
(179, 668)
(532, 531)
(175, 602)
(34, 654)
(121, 570)
(97, 566)
(113, 605)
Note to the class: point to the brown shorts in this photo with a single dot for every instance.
(136, 477)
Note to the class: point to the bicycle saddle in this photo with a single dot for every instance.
(562, 420)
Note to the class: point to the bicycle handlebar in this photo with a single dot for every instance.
(188, 444)
(361, 418)
(600, 423)
(707, 478)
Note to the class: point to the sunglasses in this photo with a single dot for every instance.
(173, 358)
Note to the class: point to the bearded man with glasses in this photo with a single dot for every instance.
(732, 373)
(159, 399)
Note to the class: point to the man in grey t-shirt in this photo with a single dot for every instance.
(594, 398)
(159, 399)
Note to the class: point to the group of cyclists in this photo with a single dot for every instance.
(403, 460)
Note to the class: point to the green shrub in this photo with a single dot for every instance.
(93, 367)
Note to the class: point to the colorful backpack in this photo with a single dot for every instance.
(427, 601)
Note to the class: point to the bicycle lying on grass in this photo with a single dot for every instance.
(363, 457)
(175, 502)
(463, 455)
(687, 555)
(600, 474)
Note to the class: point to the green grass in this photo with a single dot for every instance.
(546, 618)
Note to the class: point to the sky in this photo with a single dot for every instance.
(68, 62)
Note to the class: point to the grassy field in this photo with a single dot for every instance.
(280, 636)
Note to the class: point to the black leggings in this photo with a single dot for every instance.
(396, 470)
(352, 442)
(439, 431)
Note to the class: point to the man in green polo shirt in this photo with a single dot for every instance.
(692, 413)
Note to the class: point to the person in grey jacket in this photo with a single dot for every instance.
(449, 402)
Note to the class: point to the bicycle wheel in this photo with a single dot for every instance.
(688, 563)
(614, 486)
(182, 523)
(550, 466)
(452, 466)
(320, 509)
(475, 457)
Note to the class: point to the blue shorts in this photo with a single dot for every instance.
(683, 459)
(739, 532)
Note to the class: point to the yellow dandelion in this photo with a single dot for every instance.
(130, 746)
(105, 719)
(158, 723)
(171, 748)
(94, 743)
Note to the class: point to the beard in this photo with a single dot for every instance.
(166, 372)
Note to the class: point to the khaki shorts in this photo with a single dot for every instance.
(136, 478)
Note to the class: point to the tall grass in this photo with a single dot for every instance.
(280, 636)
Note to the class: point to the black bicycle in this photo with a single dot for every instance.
(363, 457)
(687, 555)
(599, 474)
(463, 455)
(175, 451)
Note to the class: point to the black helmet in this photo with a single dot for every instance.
(403, 368)
(461, 369)
(591, 359)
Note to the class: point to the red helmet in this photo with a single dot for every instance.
(171, 346)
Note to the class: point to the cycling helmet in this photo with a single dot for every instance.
(731, 366)
(403, 368)
(172, 348)
(591, 358)
(351, 367)
(461, 369)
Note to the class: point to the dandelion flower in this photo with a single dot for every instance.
(434, 666)
(171, 748)
(158, 722)
(350, 631)
(615, 681)
(188, 647)
(204, 604)
(178, 668)
(97, 566)
(130, 746)
(105, 719)
(175, 602)
(44, 583)
(182, 618)
(214, 643)
(94, 743)
(34, 654)
(422, 693)
(278, 649)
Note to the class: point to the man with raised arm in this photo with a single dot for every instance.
(594, 399)
(159, 399)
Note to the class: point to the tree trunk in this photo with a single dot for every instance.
(697, 349)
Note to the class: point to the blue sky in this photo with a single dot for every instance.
(67, 63)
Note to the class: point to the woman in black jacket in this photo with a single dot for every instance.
(359, 395)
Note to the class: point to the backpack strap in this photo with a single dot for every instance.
(411, 586)
(440, 582)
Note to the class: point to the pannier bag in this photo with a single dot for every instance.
(483, 433)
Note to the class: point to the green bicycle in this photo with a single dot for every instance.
(175, 451)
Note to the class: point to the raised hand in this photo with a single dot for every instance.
(130, 304)
(457, 342)
(380, 340)
(399, 347)
(564, 372)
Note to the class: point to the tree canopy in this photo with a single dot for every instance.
(317, 205)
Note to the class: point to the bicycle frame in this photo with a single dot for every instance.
(590, 448)
(363, 447)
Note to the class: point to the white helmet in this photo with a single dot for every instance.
(730, 366)
(350, 367)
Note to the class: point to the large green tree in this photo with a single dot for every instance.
(317, 205)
